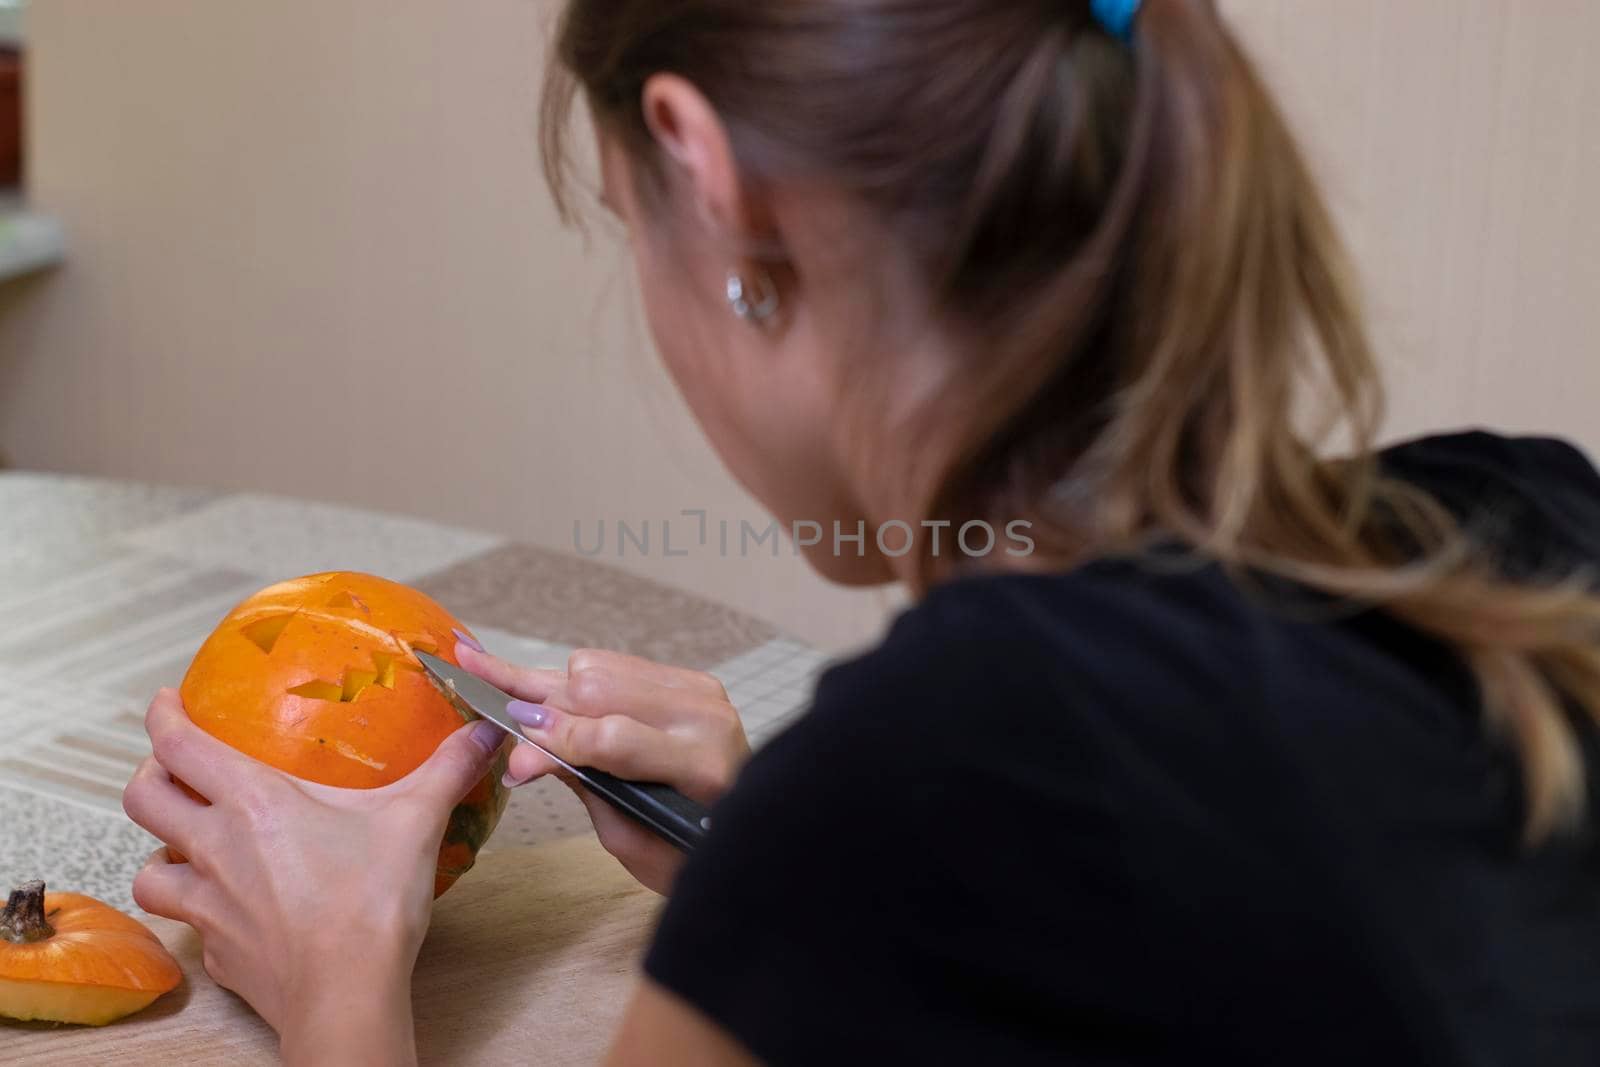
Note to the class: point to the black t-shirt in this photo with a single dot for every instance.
(1131, 814)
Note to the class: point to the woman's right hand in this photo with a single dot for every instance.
(629, 717)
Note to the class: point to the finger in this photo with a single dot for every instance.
(525, 683)
(165, 888)
(629, 749)
(596, 691)
(455, 766)
(154, 801)
(620, 834)
(189, 753)
(648, 858)
(525, 764)
(660, 673)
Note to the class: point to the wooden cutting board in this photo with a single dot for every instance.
(530, 959)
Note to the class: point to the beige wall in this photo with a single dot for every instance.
(312, 255)
(1460, 144)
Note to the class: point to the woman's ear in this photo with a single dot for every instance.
(693, 138)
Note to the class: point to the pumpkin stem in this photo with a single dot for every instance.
(23, 919)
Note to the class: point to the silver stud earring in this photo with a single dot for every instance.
(756, 305)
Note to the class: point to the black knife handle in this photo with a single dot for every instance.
(662, 809)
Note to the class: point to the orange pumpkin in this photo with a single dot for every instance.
(317, 677)
(68, 958)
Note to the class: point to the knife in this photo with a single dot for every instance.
(668, 813)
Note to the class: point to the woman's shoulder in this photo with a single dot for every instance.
(1019, 678)
(1475, 458)
(1535, 500)
(1170, 641)
(1099, 626)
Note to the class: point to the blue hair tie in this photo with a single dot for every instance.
(1116, 16)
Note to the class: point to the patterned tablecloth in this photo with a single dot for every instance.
(107, 589)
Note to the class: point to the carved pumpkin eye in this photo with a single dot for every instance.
(264, 633)
(347, 601)
(357, 678)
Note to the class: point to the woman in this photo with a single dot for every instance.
(1253, 758)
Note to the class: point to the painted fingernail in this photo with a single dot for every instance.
(468, 640)
(528, 714)
(487, 736)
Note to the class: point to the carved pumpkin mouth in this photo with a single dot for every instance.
(356, 680)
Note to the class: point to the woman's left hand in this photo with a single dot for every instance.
(311, 901)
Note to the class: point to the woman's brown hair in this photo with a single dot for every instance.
(1133, 225)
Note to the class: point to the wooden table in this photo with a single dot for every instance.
(530, 959)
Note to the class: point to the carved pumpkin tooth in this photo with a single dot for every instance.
(411, 644)
(318, 691)
(386, 669)
(355, 683)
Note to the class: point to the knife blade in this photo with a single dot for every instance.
(661, 809)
